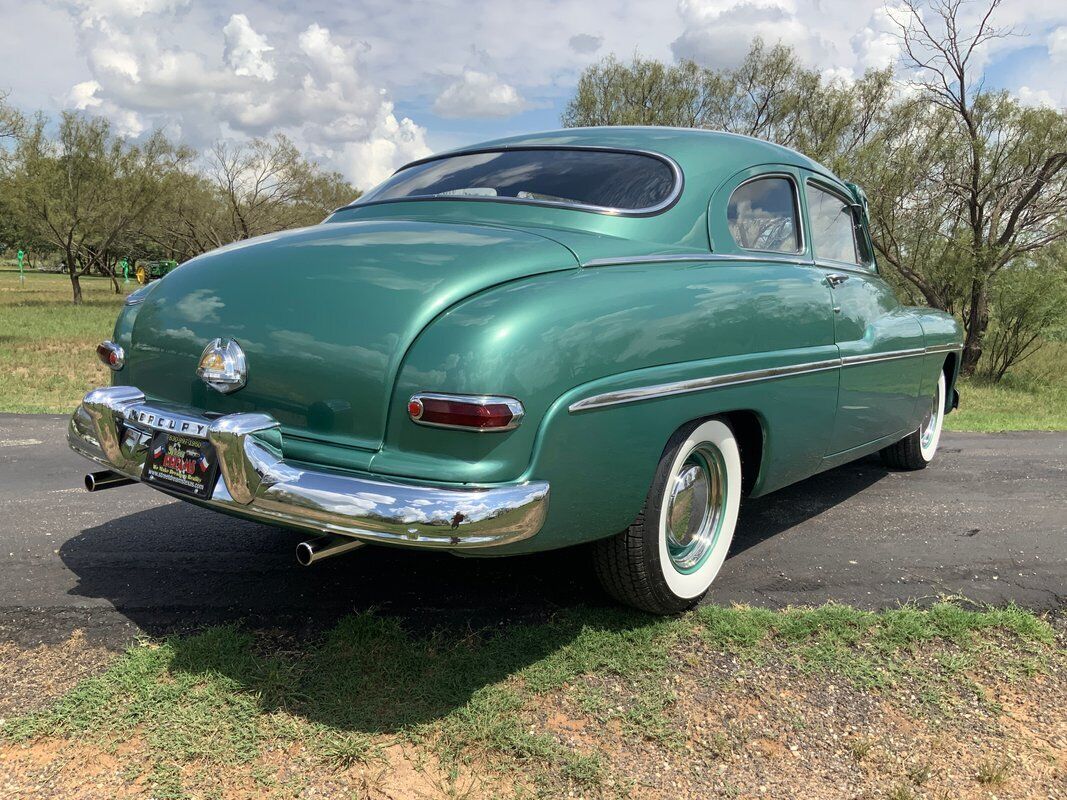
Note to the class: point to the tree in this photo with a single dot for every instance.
(1027, 300)
(1004, 181)
(86, 189)
(770, 95)
(267, 185)
(244, 189)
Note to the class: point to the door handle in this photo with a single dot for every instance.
(836, 278)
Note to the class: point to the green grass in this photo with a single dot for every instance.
(1031, 397)
(220, 698)
(47, 344)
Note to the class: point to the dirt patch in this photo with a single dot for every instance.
(51, 768)
(30, 678)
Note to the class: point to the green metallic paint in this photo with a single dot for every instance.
(343, 321)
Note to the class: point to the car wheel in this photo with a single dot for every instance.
(918, 448)
(666, 560)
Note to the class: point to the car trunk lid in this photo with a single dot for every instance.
(324, 315)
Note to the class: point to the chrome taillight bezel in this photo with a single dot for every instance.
(417, 410)
(111, 355)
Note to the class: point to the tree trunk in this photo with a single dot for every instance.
(75, 282)
(977, 322)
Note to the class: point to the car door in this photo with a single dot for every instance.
(880, 342)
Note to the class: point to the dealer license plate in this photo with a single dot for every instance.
(182, 464)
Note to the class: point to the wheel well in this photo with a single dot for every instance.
(748, 431)
(949, 368)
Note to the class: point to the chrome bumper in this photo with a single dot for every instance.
(113, 426)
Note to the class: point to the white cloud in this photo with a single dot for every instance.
(1036, 97)
(877, 45)
(312, 89)
(245, 50)
(585, 43)
(718, 33)
(478, 94)
(83, 95)
(1057, 44)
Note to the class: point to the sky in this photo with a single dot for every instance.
(363, 86)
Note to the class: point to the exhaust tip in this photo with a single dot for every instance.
(105, 479)
(305, 554)
(315, 550)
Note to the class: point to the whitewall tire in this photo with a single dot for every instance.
(665, 562)
(918, 448)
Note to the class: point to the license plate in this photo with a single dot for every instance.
(182, 464)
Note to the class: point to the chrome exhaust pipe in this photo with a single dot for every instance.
(314, 550)
(105, 479)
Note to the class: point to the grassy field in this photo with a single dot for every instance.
(47, 361)
(47, 345)
(595, 703)
(1032, 397)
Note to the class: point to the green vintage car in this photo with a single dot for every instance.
(604, 335)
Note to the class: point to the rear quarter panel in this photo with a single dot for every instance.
(555, 339)
(940, 329)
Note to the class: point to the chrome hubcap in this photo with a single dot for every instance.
(695, 508)
(929, 425)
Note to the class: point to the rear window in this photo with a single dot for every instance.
(602, 180)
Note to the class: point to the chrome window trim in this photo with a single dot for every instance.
(514, 406)
(796, 207)
(663, 205)
(688, 386)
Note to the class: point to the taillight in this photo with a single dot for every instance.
(111, 355)
(467, 412)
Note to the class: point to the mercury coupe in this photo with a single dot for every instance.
(603, 337)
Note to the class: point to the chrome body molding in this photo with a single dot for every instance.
(659, 390)
(113, 427)
(892, 355)
(944, 348)
(668, 258)
(698, 385)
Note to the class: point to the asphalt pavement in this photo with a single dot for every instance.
(987, 522)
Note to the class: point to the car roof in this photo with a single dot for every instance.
(688, 146)
(707, 160)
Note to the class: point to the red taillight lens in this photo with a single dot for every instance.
(473, 412)
(111, 355)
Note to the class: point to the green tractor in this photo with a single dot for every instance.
(154, 270)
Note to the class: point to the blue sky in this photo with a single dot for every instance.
(366, 85)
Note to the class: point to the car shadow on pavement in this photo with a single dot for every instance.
(178, 568)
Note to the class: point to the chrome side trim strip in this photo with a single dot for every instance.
(657, 391)
(848, 361)
(698, 385)
(706, 257)
(944, 348)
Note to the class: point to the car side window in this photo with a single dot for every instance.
(832, 226)
(762, 215)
